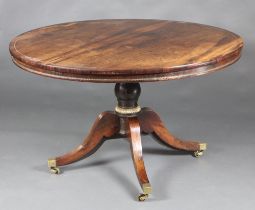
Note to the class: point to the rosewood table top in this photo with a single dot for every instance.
(125, 50)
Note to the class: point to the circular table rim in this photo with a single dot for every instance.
(178, 72)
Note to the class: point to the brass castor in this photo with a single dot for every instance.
(198, 153)
(202, 148)
(53, 166)
(146, 191)
(143, 197)
(55, 170)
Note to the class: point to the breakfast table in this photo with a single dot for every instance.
(126, 52)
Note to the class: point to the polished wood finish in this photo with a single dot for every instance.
(127, 94)
(136, 150)
(111, 125)
(106, 125)
(125, 50)
(151, 123)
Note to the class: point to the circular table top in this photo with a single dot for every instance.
(125, 50)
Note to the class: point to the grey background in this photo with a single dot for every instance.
(42, 117)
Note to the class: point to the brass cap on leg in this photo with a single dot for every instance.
(52, 163)
(146, 191)
(202, 146)
(147, 188)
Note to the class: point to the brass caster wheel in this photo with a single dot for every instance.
(52, 164)
(55, 170)
(198, 153)
(143, 197)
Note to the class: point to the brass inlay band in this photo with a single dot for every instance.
(133, 78)
(127, 110)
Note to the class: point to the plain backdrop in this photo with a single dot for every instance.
(42, 117)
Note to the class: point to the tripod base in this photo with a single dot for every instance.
(113, 125)
(130, 121)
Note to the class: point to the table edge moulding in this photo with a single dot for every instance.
(227, 45)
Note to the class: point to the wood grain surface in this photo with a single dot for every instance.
(150, 122)
(136, 150)
(106, 125)
(125, 50)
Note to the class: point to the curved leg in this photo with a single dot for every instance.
(151, 123)
(136, 150)
(106, 125)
